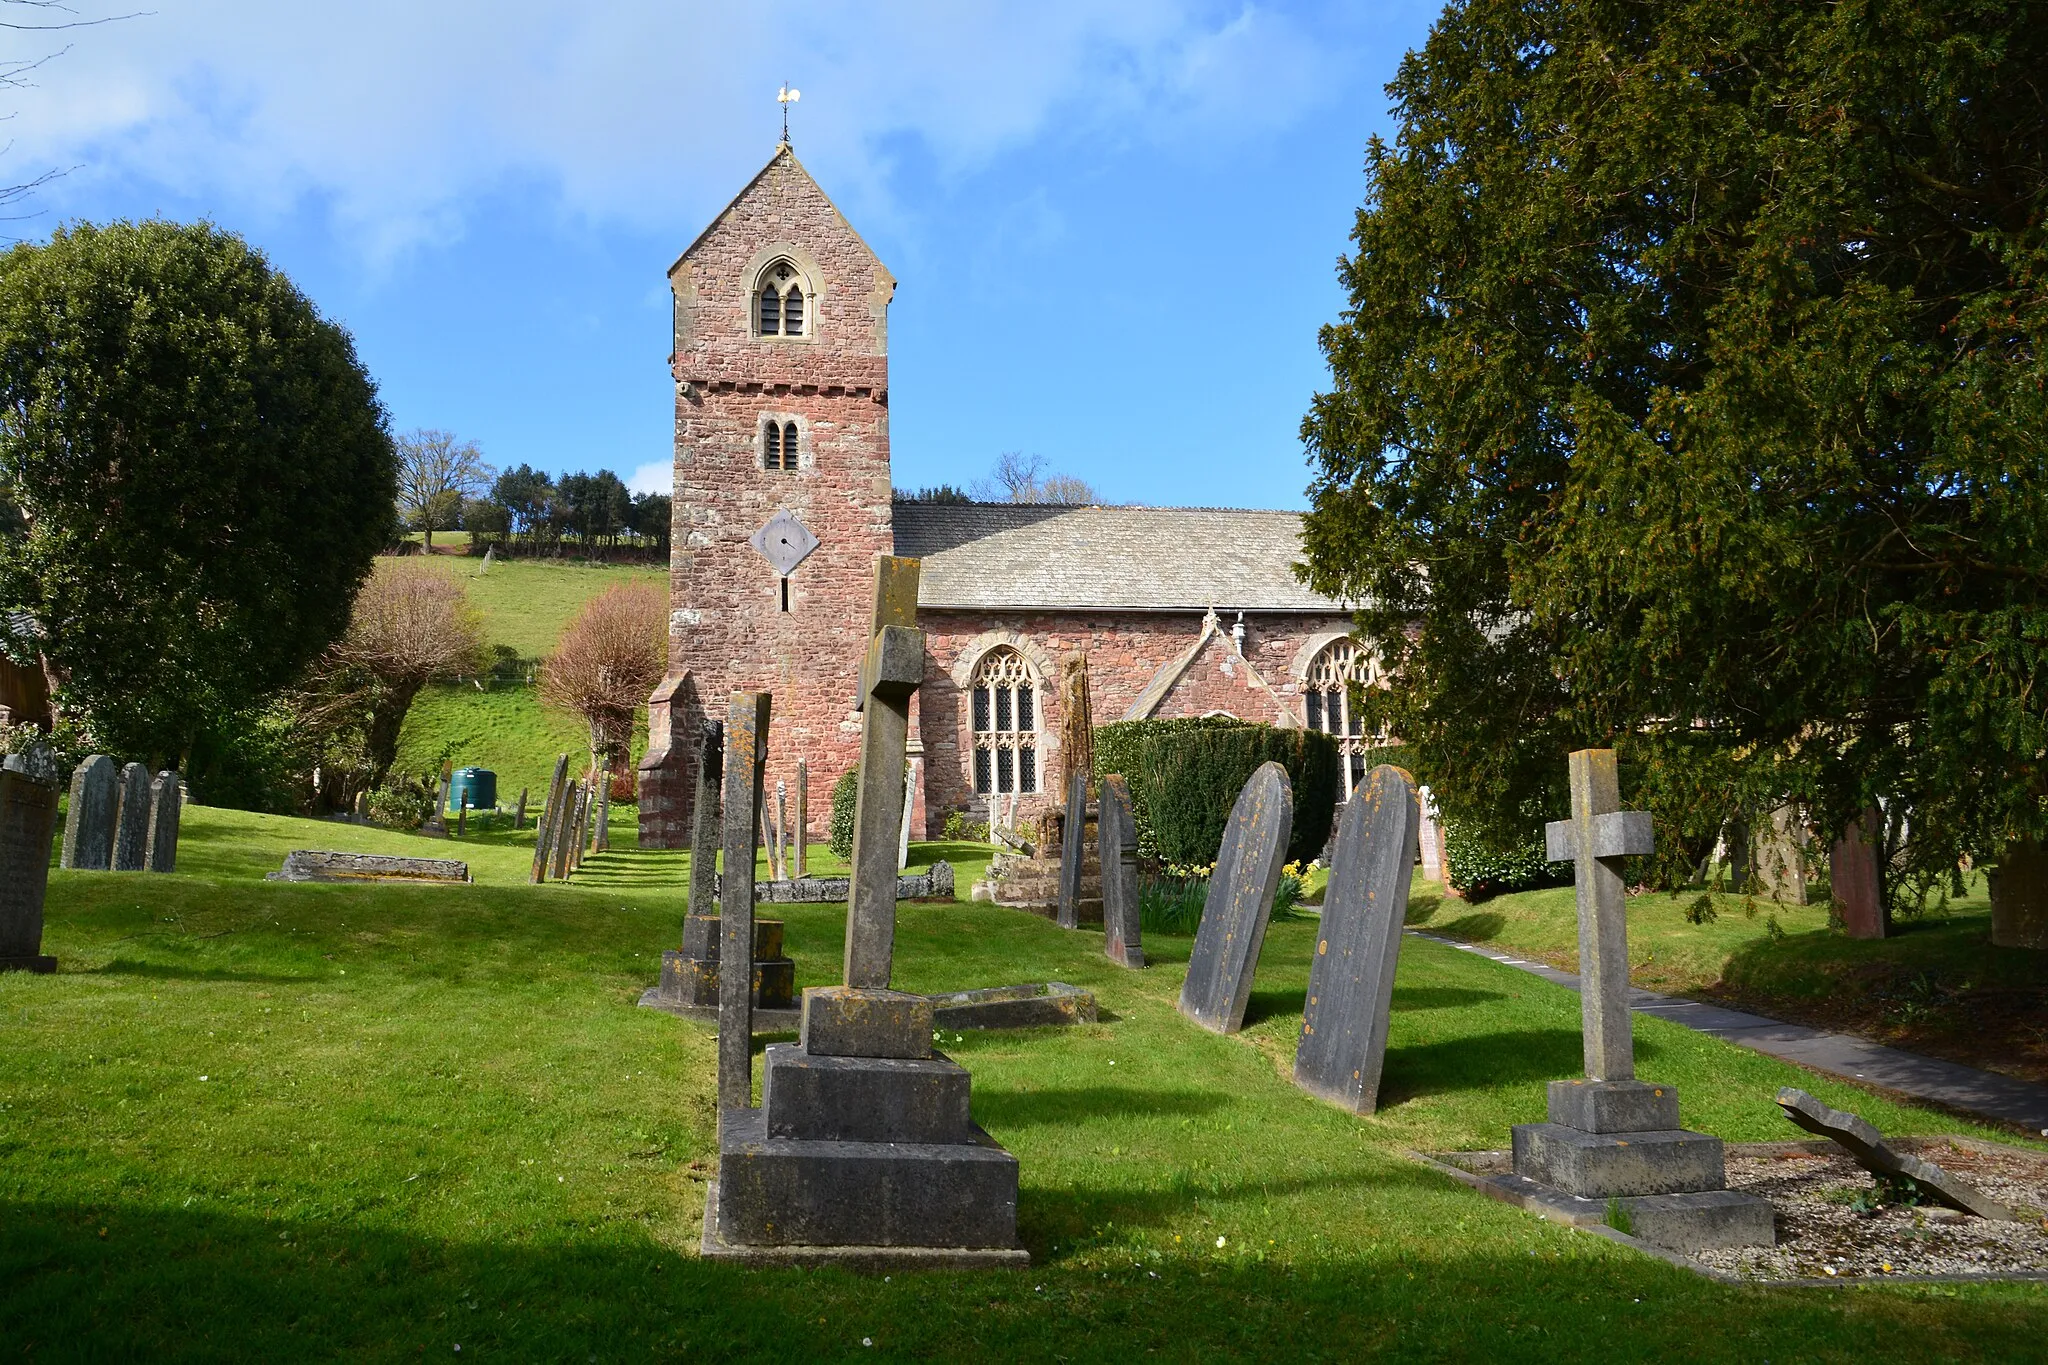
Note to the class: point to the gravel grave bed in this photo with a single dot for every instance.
(1822, 1233)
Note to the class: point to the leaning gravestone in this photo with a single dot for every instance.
(131, 820)
(1859, 1137)
(166, 809)
(89, 823)
(1611, 1137)
(1117, 843)
(1240, 901)
(543, 828)
(1073, 850)
(28, 824)
(1351, 978)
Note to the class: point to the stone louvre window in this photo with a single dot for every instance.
(1327, 692)
(779, 301)
(779, 446)
(1005, 724)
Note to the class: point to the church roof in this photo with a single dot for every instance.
(783, 152)
(1026, 556)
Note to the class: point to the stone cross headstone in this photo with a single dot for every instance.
(131, 819)
(166, 810)
(542, 854)
(803, 819)
(1240, 901)
(746, 767)
(89, 823)
(1596, 838)
(1073, 848)
(890, 674)
(28, 825)
(1351, 978)
(1855, 879)
(1117, 845)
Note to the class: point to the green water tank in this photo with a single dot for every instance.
(480, 785)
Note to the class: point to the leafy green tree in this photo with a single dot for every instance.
(526, 495)
(436, 472)
(652, 519)
(203, 472)
(1691, 399)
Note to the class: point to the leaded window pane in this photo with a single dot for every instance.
(1004, 711)
(1024, 720)
(771, 311)
(981, 710)
(1005, 782)
(1003, 695)
(1027, 770)
(981, 766)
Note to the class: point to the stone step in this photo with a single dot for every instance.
(864, 1099)
(1596, 1165)
(775, 1191)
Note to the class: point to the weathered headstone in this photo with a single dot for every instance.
(803, 819)
(89, 823)
(362, 804)
(564, 838)
(462, 817)
(1855, 880)
(28, 826)
(1426, 833)
(1612, 1137)
(1780, 853)
(746, 765)
(1073, 849)
(131, 819)
(166, 811)
(1860, 1139)
(519, 818)
(542, 853)
(1240, 901)
(1351, 978)
(1116, 837)
(910, 767)
(601, 831)
(863, 1149)
(2019, 896)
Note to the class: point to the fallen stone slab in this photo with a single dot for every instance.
(314, 865)
(1859, 1137)
(1034, 1004)
(934, 884)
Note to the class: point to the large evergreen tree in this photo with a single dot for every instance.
(202, 469)
(1691, 399)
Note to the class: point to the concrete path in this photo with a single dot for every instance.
(1951, 1085)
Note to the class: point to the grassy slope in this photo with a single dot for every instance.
(525, 604)
(432, 1116)
(1937, 986)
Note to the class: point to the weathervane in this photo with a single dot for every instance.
(785, 99)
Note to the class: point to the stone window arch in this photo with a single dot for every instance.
(783, 300)
(1338, 669)
(1003, 700)
(781, 443)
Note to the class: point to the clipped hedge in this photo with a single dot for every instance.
(845, 795)
(1185, 775)
(1480, 871)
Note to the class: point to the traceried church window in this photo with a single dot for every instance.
(778, 445)
(779, 301)
(1005, 706)
(1342, 667)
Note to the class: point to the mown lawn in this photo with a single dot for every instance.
(262, 1120)
(1937, 986)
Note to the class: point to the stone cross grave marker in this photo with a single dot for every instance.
(1240, 901)
(803, 819)
(1116, 837)
(746, 768)
(28, 824)
(166, 810)
(541, 850)
(781, 829)
(1596, 838)
(89, 823)
(131, 820)
(889, 675)
(1351, 978)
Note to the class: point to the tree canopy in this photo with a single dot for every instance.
(1690, 398)
(202, 470)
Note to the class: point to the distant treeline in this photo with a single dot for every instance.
(527, 512)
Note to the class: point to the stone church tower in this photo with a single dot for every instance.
(782, 489)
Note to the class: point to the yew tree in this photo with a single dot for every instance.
(1690, 398)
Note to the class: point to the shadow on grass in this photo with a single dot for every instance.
(122, 966)
(1480, 1063)
(1008, 1109)
(1267, 1004)
(639, 869)
(1477, 927)
(1441, 997)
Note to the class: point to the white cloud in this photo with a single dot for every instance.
(659, 476)
(394, 116)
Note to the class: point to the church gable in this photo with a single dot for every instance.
(1212, 678)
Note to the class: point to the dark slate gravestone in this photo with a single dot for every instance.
(89, 823)
(1241, 887)
(543, 849)
(1117, 841)
(1860, 1139)
(1073, 849)
(166, 809)
(131, 820)
(1351, 978)
(28, 824)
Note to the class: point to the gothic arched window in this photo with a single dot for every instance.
(778, 445)
(1005, 710)
(779, 301)
(1341, 666)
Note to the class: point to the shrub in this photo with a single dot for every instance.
(845, 793)
(960, 828)
(1118, 748)
(1480, 870)
(1192, 779)
(1171, 904)
(403, 804)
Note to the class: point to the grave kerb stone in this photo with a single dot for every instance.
(1858, 1137)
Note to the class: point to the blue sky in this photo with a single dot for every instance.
(1114, 226)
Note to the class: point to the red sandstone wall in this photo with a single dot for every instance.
(1125, 650)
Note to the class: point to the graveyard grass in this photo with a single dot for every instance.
(274, 1120)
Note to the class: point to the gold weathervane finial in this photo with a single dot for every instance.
(786, 98)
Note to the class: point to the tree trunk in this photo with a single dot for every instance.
(2019, 896)
(387, 718)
